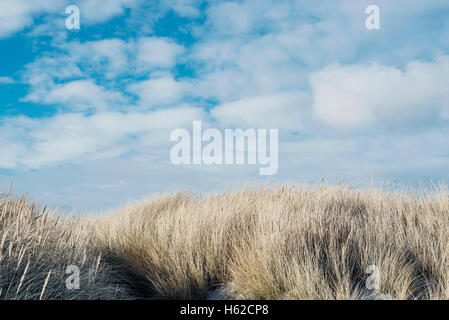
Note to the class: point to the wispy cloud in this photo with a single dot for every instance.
(6, 80)
(347, 101)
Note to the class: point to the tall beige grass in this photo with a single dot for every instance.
(35, 250)
(290, 242)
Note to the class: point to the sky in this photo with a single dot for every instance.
(86, 115)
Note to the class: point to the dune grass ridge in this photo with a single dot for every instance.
(289, 242)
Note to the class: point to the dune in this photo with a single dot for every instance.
(288, 242)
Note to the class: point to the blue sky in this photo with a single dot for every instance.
(85, 115)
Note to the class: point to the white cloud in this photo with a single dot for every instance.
(362, 97)
(157, 52)
(184, 8)
(284, 110)
(67, 80)
(72, 137)
(78, 95)
(231, 17)
(93, 11)
(109, 56)
(45, 71)
(17, 14)
(236, 69)
(159, 91)
(254, 47)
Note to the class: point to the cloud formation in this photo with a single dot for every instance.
(73, 137)
(103, 100)
(363, 97)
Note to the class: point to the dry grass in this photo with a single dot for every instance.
(291, 242)
(35, 250)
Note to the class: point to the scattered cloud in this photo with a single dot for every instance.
(71, 137)
(363, 97)
(156, 52)
(184, 8)
(80, 95)
(347, 101)
(18, 14)
(284, 110)
(109, 57)
(159, 91)
(97, 11)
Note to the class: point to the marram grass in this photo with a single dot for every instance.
(290, 242)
